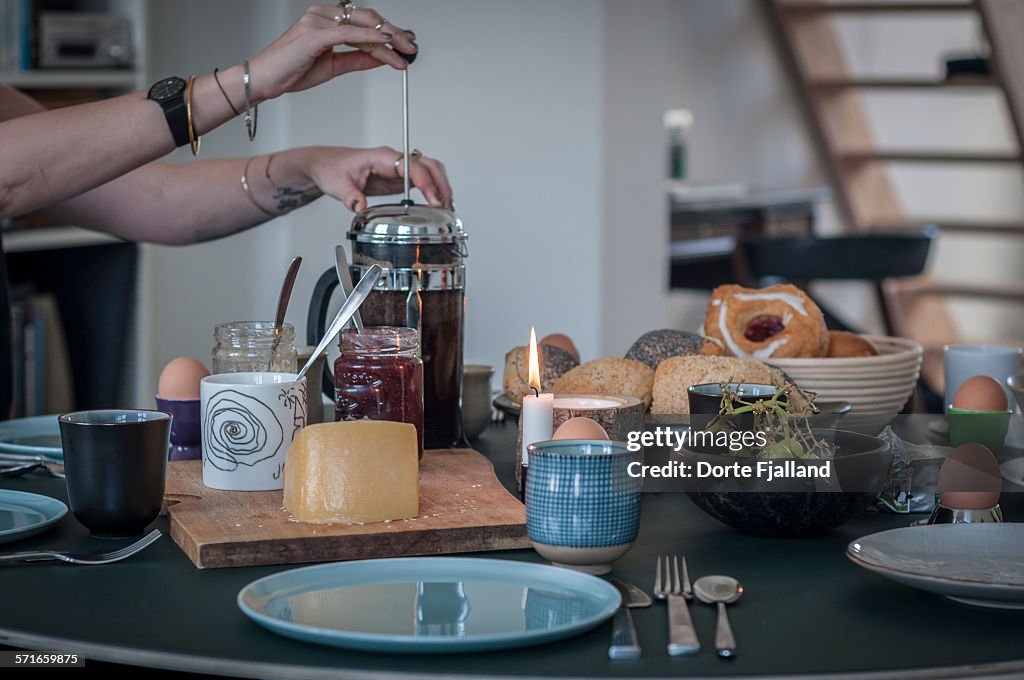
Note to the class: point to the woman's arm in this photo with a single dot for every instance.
(180, 204)
(51, 156)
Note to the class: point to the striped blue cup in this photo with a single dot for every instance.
(582, 505)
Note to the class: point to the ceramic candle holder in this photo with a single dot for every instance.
(582, 505)
(186, 433)
(617, 414)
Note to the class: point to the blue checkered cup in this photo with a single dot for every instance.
(582, 505)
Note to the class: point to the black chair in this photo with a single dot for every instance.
(870, 257)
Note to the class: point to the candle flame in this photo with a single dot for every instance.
(534, 361)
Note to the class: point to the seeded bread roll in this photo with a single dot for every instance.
(654, 347)
(554, 362)
(610, 375)
(676, 374)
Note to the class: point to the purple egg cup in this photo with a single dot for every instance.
(186, 433)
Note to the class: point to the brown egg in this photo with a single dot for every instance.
(969, 478)
(580, 428)
(561, 341)
(180, 379)
(981, 393)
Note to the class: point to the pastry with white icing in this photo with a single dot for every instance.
(777, 322)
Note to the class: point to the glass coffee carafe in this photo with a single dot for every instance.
(422, 251)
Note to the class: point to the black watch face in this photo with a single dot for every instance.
(166, 89)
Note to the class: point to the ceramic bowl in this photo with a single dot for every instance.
(860, 469)
(582, 506)
(878, 387)
(983, 427)
(706, 401)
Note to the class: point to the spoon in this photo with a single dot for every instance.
(282, 303)
(358, 296)
(345, 280)
(720, 590)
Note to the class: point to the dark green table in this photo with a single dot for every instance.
(805, 610)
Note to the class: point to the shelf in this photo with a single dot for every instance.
(900, 83)
(875, 7)
(53, 238)
(913, 156)
(69, 79)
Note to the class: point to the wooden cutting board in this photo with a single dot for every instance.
(463, 508)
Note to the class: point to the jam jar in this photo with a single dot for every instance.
(379, 376)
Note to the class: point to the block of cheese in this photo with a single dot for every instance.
(353, 472)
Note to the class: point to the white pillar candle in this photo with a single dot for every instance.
(538, 408)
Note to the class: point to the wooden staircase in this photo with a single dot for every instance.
(859, 169)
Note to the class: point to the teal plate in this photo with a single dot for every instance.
(37, 436)
(27, 514)
(433, 605)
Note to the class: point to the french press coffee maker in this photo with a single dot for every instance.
(422, 250)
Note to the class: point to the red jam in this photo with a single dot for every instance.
(380, 377)
(763, 327)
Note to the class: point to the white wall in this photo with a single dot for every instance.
(548, 116)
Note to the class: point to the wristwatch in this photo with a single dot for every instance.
(169, 93)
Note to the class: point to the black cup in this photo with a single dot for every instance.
(706, 402)
(116, 464)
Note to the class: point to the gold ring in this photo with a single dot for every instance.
(345, 17)
(416, 153)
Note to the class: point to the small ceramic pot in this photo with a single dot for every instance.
(582, 505)
(476, 399)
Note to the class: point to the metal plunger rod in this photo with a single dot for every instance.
(405, 136)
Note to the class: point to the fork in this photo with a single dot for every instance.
(93, 557)
(682, 636)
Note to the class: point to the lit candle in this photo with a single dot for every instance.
(538, 408)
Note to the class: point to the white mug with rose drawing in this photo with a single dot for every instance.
(249, 420)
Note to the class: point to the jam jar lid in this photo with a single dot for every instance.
(407, 225)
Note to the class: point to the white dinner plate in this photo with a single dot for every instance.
(1013, 471)
(435, 605)
(978, 564)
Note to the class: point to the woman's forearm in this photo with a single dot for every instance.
(50, 156)
(202, 201)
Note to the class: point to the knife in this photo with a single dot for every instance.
(625, 643)
(345, 279)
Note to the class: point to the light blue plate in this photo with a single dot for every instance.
(27, 514)
(36, 436)
(429, 605)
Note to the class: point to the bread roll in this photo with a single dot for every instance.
(554, 361)
(610, 375)
(676, 374)
(843, 344)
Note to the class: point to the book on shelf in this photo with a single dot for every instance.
(42, 369)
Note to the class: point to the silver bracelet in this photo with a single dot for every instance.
(252, 117)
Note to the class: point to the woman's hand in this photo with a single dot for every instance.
(304, 55)
(350, 175)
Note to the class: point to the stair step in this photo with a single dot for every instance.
(875, 7)
(869, 83)
(915, 156)
(987, 227)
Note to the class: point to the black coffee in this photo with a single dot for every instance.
(441, 321)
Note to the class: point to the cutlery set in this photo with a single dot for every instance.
(16, 465)
(672, 585)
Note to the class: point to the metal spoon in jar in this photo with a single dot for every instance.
(282, 305)
(358, 296)
(720, 590)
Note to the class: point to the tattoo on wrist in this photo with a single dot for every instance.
(290, 198)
